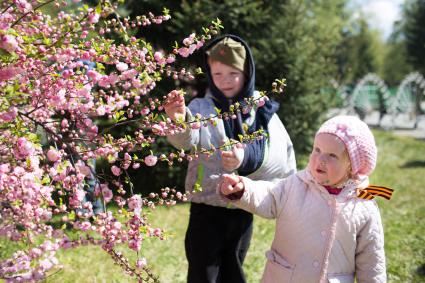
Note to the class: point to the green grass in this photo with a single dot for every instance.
(401, 165)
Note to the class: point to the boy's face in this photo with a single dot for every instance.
(329, 162)
(227, 79)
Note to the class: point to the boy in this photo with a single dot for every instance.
(218, 236)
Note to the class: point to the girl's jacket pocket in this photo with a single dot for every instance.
(277, 267)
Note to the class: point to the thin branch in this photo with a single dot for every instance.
(7, 8)
(32, 11)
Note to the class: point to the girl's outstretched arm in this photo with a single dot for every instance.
(259, 197)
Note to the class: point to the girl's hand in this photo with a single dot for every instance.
(231, 184)
(175, 107)
(232, 159)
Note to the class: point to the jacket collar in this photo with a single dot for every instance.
(349, 189)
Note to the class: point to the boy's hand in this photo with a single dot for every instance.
(231, 184)
(175, 107)
(232, 159)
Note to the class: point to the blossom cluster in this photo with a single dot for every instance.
(59, 76)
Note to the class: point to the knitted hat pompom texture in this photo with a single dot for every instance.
(359, 142)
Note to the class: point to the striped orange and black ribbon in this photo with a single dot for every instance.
(371, 191)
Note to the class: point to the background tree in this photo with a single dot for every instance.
(414, 32)
(301, 45)
(395, 64)
(360, 51)
(292, 39)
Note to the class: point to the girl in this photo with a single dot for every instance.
(327, 229)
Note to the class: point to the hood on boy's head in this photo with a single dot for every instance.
(233, 59)
(359, 142)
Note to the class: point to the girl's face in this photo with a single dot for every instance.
(329, 162)
(227, 79)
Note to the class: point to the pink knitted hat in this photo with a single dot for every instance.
(358, 140)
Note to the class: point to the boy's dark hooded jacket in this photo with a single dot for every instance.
(254, 152)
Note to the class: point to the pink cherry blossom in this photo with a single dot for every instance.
(135, 204)
(116, 170)
(8, 43)
(122, 67)
(107, 194)
(184, 52)
(140, 263)
(196, 125)
(151, 160)
(199, 44)
(189, 40)
(5, 20)
(192, 48)
(9, 115)
(135, 245)
(53, 155)
(23, 6)
(82, 168)
(157, 232)
(93, 18)
(158, 56)
(79, 195)
(170, 59)
(64, 123)
(9, 73)
(24, 148)
(101, 110)
(104, 82)
(129, 74)
(95, 76)
(145, 111)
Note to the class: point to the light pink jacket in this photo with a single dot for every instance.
(319, 237)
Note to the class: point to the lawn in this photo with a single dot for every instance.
(401, 165)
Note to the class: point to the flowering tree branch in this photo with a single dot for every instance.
(59, 76)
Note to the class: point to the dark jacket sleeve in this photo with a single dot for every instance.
(253, 157)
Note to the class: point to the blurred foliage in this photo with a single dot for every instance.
(300, 45)
(359, 52)
(396, 65)
(406, 45)
(414, 33)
